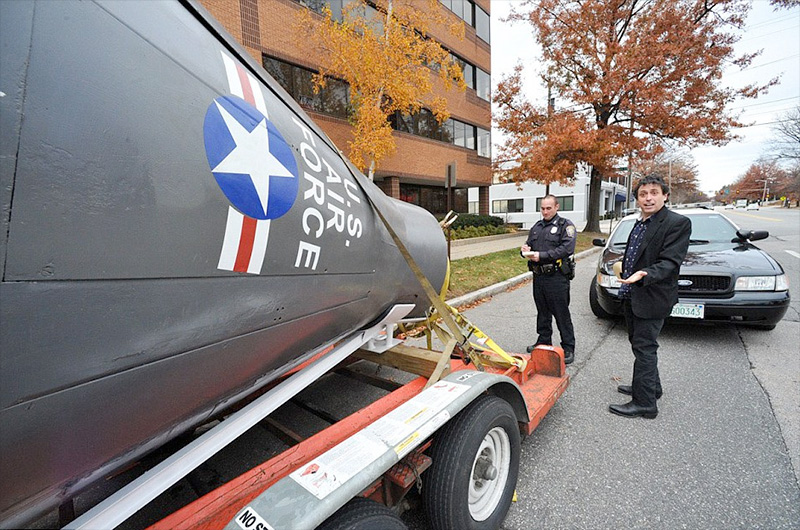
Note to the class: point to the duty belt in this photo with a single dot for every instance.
(548, 268)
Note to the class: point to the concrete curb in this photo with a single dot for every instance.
(511, 282)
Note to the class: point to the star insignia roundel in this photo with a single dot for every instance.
(252, 163)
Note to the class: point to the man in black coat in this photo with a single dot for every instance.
(656, 248)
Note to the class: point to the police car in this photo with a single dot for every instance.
(724, 278)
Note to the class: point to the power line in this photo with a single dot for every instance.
(749, 68)
(742, 107)
(761, 124)
(754, 37)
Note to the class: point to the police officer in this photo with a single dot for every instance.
(551, 244)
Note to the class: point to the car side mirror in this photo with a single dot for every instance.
(751, 235)
(599, 242)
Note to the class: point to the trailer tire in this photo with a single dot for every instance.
(363, 514)
(482, 439)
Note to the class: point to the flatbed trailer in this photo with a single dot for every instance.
(457, 439)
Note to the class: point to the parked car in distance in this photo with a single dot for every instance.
(729, 206)
(752, 206)
(724, 278)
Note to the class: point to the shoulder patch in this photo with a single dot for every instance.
(571, 230)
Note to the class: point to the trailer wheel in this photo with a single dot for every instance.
(363, 514)
(475, 466)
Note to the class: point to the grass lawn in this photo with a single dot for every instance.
(471, 274)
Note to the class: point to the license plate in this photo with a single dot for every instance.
(688, 311)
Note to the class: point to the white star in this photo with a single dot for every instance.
(251, 156)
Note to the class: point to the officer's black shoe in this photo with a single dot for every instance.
(628, 391)
(569, 356)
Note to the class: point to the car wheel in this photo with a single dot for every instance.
(594, 303)
(475, 466)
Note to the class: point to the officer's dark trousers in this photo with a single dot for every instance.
(551, 294)
(643, 336)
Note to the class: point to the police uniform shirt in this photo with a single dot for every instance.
(553, 239)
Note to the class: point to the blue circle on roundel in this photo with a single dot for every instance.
(252, 163)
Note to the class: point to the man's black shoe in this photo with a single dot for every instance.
(628, 391)
(632, 410)
(569, 356)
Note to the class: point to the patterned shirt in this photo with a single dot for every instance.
(631, 253)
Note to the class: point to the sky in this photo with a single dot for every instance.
(776, 32)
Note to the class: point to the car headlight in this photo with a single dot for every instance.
(762, 283)
(608, 281)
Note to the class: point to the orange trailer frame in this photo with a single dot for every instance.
(541, 383)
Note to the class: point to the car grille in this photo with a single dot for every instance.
(704, 284)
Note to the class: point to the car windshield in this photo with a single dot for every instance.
(706, 228)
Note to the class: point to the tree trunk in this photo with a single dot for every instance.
(593, 204)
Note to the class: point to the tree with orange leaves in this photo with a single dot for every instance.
(387, 59)
(636, 73)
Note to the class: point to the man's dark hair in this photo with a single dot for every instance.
(550, 196)
(651, 179)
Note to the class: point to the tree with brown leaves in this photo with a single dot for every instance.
(387, 58)
(761, 178)
(636, 73)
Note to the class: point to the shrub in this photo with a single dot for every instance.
(468, 219)
(477, 231)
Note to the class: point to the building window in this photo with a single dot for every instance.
(565, 203)
(298, 82)
(484, 143)
(483, 84)
(482, 24)
(451, 131)
(507, 206)
(434, 198)
(474, 77)
(474, 207)
(472, 14)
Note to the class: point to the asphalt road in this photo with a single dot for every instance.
(724, 451)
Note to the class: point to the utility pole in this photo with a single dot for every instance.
(764, 193)
(551, 103)
(669, 178)
(630, 171)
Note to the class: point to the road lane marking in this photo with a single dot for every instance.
(793, 253)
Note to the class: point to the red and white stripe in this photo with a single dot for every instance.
(245, 243)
